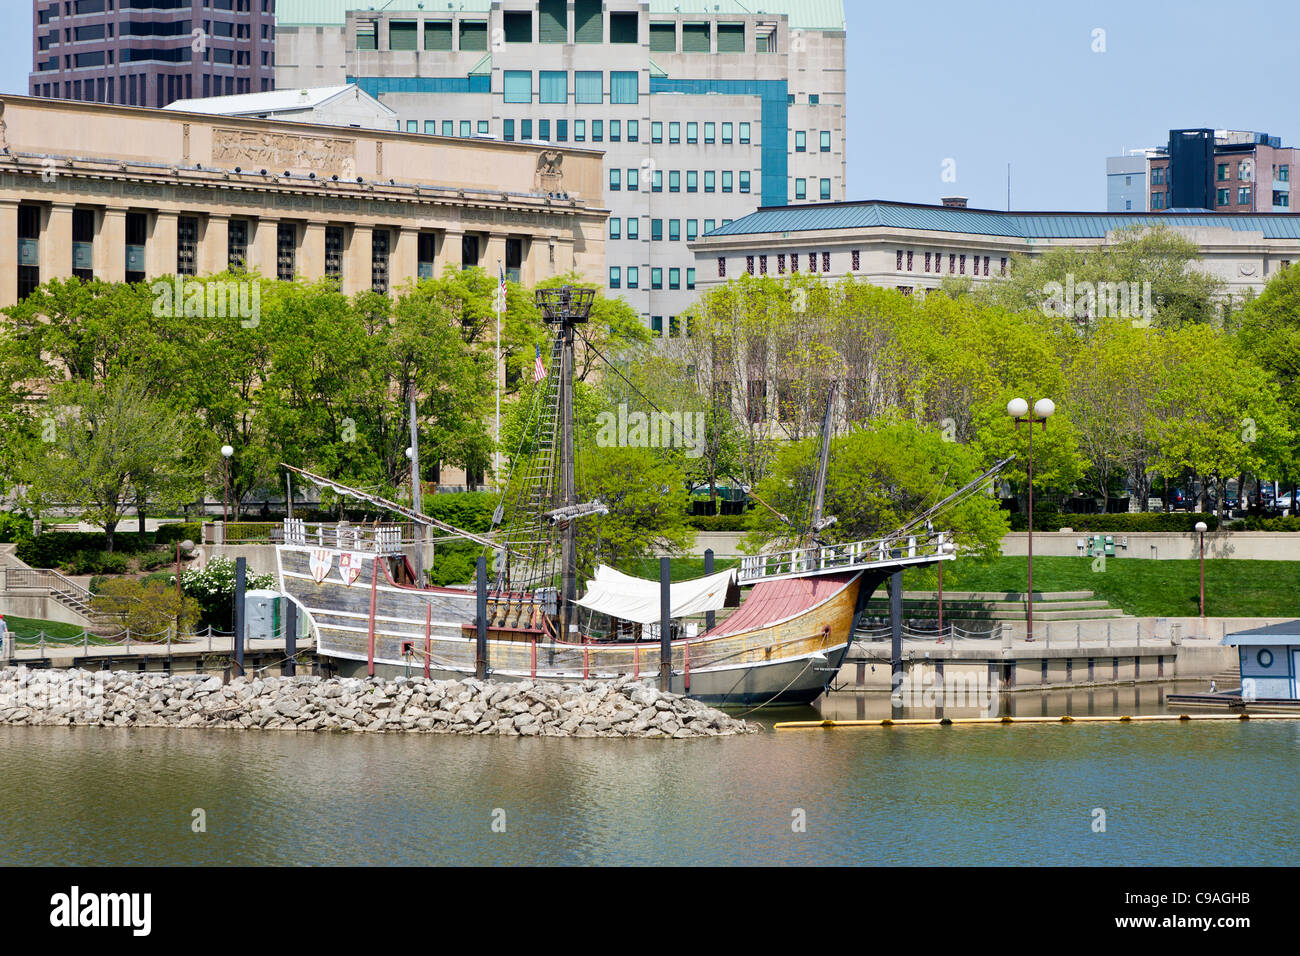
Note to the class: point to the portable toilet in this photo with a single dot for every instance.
(262, 614)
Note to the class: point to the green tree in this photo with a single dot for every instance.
(147, 608)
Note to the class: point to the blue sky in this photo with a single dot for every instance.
(1017, 81)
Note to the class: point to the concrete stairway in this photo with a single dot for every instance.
(1000, 606)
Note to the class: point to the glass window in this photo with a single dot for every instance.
(656, 132)
(657, 182)
(1243, 195)
(674, 278)
(710, 132)
(1221, 172)
(525, 129)
(708, 226)
(507, 130)
(814, 99)
(674, 230)
(663, 37)
(800, 141)
(466, 128)
(615, 131)
(555, 86)
(656, 278)
(633, 130)
(710, 180)
(401, 34)
(726, 180)
(615, 277)
(449, 128)
(615, 232)
(656, 230)
(615, 178)
(692, 132)
(744, 134)
(633, 179)
(623, 86)
(588, 86)
(726, 134)
(674, 181)
(562, 131)
(597, 131)
(692, 229)
(484, 127)
(632, 277)
(692, 181)
(690, 278)
(518, 86)
(657, 325)
(544, 130)
(826, 140)
(801, 189)
(633, 227)
(826, 189)
(430, 127)
(518, 27)
(674, 132)
(579, 131)
(744, 180)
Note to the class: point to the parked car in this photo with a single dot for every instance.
(1179, 500)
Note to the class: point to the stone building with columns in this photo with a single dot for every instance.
(126, 194)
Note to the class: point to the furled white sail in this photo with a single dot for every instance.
(636, 599)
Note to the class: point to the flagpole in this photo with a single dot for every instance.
(500, 297)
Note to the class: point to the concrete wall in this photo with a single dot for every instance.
(39, 606)
(1248, 545)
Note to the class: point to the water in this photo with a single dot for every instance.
(1191, 793)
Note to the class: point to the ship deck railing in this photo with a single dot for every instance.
(380, 538)
(887, 552)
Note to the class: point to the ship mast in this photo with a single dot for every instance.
(818, 522)
(566, 308)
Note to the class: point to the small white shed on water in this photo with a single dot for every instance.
(1269, 660)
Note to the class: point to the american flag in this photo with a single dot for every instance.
(539, 370)
(501, 290)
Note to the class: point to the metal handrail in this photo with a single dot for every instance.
(844, 556)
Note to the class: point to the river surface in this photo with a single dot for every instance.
(1171, 793)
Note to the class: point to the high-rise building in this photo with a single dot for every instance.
(704, 110)
(1231, 171)
(151, 52)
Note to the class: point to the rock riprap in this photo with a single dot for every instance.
(622, 708)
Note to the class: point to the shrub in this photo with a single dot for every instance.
(14, 527)
(214, 588)
(1135, 523)
(96, 562)
(156, 559)
(55, 549)
(468, 510)
(1257, 523)
(171, 533)
(148, 608)
(454, 562)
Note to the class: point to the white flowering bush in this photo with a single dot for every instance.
(214, 588)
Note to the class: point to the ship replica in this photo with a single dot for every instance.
(782, 642)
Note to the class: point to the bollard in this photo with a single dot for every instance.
(290, 638)
(480, 619)
(709, 616)
(241, 572)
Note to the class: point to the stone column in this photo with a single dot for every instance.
(110, 245)
(56, 241)
(261, 247)
(404, 261)
(447, 255)
(559, 256)
(311, 250)
(357, 259)
(8, 252)
(214, 244)
(160, 253)
(495, 255)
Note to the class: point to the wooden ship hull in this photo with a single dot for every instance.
(782, 645)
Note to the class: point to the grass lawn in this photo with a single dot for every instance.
(1141, 587)
(29, 628)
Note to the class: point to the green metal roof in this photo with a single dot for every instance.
(803, 14)
(989, 222)
(327, 13)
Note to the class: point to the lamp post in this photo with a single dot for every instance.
(1018, 409)
(1201, 528)
(226, 452)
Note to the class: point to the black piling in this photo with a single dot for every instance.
(290, 638)
(480, 620)
(896, 635)
(665, 624)
(241, 575)
(709, 616)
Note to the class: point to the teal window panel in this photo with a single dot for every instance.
(623, 86)
(554, 86)
(518, 86)
(663, 37)
(588, 86)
